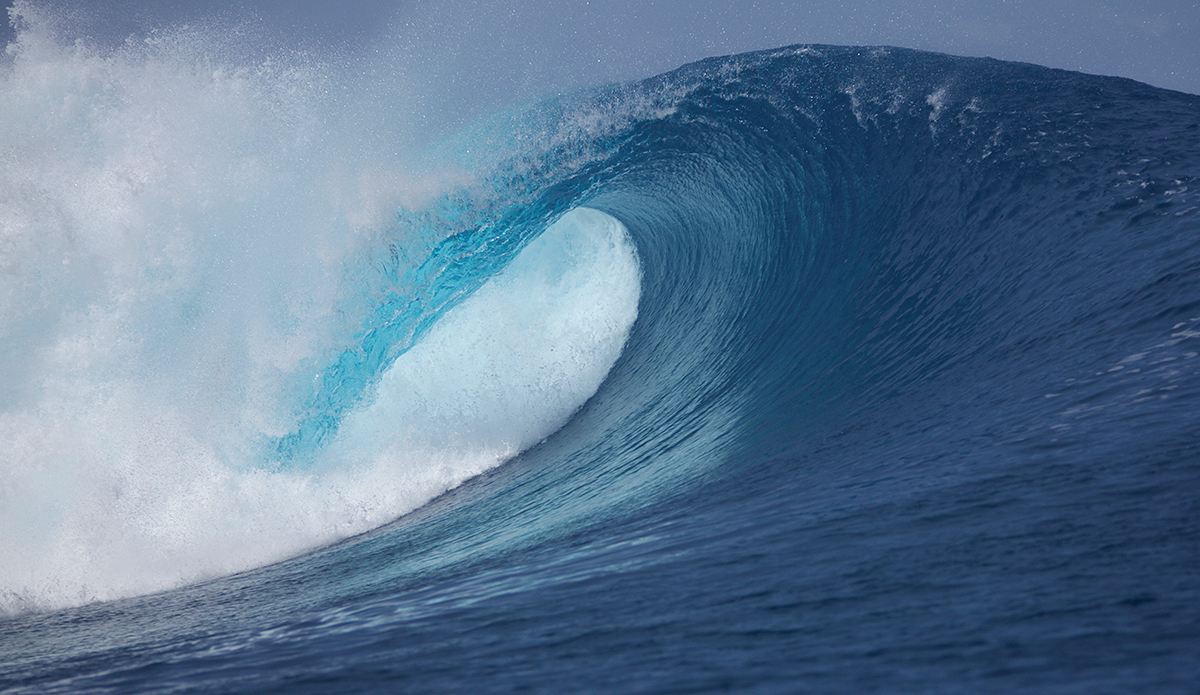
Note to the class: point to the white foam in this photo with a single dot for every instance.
(501, 372)
(172, 234)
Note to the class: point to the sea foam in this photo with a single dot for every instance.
(175, 228)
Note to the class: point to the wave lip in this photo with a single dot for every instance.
(508, 367)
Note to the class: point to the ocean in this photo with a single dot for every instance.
(811, 370)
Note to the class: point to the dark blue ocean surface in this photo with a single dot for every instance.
(911, 404)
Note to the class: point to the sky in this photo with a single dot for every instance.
(490, 53)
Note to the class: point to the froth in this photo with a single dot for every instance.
(174, 233)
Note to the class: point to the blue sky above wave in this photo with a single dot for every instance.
(530, 48)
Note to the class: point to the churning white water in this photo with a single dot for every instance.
(175, 230)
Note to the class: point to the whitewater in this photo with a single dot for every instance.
(817, 369)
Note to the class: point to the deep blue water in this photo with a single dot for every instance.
(911, 404)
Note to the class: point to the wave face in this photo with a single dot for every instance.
(830, 369)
